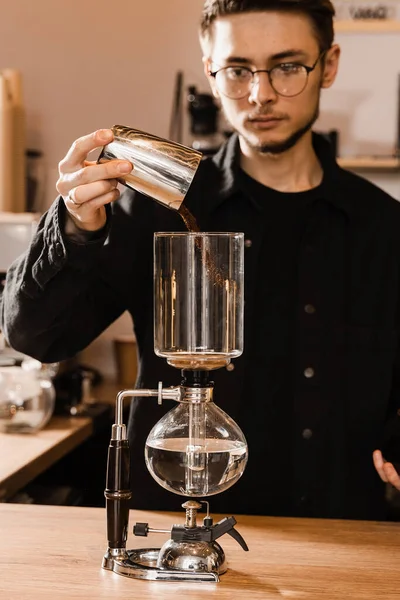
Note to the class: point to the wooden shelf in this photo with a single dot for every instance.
(25, 456)
(367, 26)
(370, 163)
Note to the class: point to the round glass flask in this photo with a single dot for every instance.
(196, 450)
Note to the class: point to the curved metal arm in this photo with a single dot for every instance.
(119, 429)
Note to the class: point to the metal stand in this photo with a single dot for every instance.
(192, 552)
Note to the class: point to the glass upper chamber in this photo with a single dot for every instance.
(198, 298)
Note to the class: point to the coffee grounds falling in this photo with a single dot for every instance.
(188, 219)
(192, 226)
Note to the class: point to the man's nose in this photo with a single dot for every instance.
(262, 91)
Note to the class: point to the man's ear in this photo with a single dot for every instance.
(330, 66)
(211, 80)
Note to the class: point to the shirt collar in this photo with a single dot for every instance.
(227, 162)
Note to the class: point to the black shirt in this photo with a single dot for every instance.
(271, 399)
(317, 386)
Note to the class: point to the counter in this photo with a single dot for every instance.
(24, 456)
(52, 552)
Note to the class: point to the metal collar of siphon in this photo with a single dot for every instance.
(196, 395)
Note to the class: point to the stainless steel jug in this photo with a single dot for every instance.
(162, 169)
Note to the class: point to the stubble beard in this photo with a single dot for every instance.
(283, 146)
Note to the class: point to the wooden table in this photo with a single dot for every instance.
(24, 456)
(49, 552)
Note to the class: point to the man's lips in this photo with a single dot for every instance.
(264, 119)
(264, 122)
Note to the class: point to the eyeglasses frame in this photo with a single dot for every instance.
(268, 71)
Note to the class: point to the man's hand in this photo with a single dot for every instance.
(86, 187)
(386, 470)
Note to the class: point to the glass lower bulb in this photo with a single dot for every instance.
(196, 450)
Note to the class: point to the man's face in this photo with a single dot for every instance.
(266, 121)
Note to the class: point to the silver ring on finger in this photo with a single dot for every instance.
(71, 197)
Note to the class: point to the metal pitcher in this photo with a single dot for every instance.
(162, 169)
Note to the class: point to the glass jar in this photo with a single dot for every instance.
(27, 396)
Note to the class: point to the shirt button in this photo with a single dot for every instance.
(305, 500)
(309, 372)
(309, 309)
(230, 367)
(248, 243)
(307, 434)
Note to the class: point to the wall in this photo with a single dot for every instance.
(91, 64)
(364, 100)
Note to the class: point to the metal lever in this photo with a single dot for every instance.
(210, 533)
(240, 540)
(226, 525)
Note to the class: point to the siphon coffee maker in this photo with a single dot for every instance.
(195, 450)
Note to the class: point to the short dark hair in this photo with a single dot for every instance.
(320, 12)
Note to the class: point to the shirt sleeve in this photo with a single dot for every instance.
(54, 303)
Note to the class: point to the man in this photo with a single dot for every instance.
(317, 388)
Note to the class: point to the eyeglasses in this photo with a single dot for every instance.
(287, 79)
